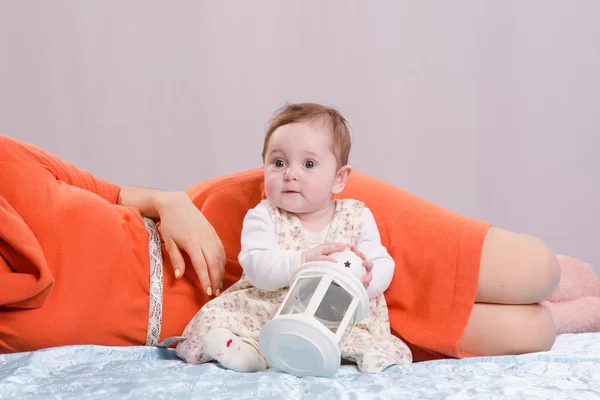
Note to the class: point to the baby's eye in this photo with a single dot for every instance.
(279, 163)
(309, 164)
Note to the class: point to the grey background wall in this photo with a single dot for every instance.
(488, 108)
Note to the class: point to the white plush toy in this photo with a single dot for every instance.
(347, 259)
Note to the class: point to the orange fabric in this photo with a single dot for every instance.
(437, 253)
(74, 265)
(70, 268)
(22, 265)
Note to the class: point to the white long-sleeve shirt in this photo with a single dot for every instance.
(268, 267)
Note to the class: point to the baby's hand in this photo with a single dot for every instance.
(366, 280)
(321, 252)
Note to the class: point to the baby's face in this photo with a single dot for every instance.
(300, 168)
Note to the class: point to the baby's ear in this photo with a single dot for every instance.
(341, 178)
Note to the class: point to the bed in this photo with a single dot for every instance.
(571, 370)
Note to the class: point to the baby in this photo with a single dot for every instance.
(305, 157)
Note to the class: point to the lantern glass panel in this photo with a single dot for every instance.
(333, 307)
(300, 296)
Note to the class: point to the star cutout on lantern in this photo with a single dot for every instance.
(347, 264)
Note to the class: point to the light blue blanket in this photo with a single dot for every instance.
(571, 370)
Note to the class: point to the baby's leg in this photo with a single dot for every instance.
(516, 272)
(232, 352)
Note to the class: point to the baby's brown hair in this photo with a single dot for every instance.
(312, 112)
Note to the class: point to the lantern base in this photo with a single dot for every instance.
(300, 347)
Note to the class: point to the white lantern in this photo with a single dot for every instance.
(323, 304)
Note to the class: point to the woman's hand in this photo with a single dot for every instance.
(184, 228)
(366, 280)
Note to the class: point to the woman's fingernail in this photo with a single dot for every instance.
(221, 285)
(209, 291)
(177, 274)
(217, 292)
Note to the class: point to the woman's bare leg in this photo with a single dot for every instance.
(501, 329)
(517, 271)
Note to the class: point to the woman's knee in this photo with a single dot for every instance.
(542, 330)
(497, 329)
(544, 265)
(534, 330)
(516, 269)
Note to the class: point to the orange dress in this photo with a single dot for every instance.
(74, 266)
